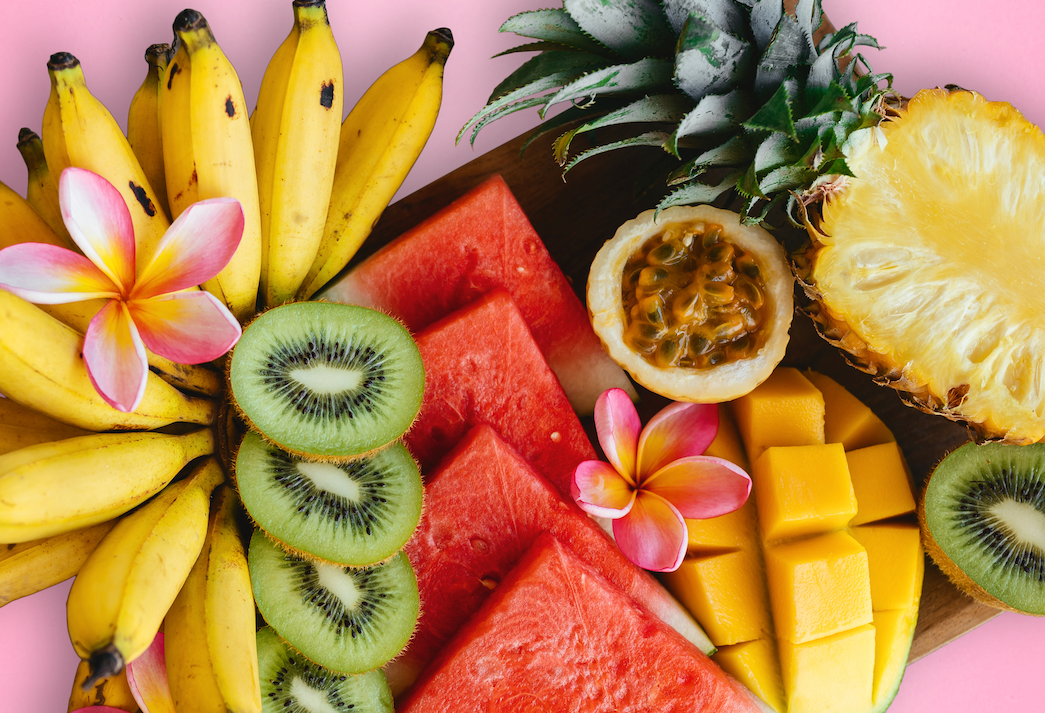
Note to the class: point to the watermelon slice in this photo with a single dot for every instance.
(482, 366)
(484, 507)
(480, 242)
(557, 636)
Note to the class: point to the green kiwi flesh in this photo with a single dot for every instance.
(290, 683)
(356, 513)
(984, 510)
(349, 620)
(327, 379)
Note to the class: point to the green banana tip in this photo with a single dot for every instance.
(26, 135)
(62, 60)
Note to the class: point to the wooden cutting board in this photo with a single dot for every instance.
(576, 216)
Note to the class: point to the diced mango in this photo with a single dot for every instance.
(727, 442)
(881, 483)
(726, 593)
(846, 419)
(830, 675)
(737, 530)
(755, 664)
(818, 586)
(892, 644)
(802, 490)
(895, 562)
(785, 410)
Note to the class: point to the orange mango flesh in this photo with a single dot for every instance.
(841, 586)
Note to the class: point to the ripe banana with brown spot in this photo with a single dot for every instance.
(42, 189)
(29, 567)
(207, 150)
(42, 367)
(143, 122)
(296, 127)
(209, 632)
(380, 141)
(21, 426)
(112, 691)
(53, 488)
(79, 131)
(125, 588)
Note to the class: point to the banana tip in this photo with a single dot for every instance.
(103, 663)
(444, 35)
(62, 60)
(25, 135)
(189, 20)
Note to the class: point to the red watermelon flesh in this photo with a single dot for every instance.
(558, 636)
(482, 366)
(484, 507)
(478, 243)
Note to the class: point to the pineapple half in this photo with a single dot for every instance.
(925, 262)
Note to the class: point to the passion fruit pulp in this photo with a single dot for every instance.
(693, 304)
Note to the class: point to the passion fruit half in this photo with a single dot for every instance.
(693, 304)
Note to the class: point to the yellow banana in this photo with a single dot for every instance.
(124, 589)
(112, 691)
(42, 190)
(19, 223)
(204, 124)
(143, 122)
(209, 632)
(79, 131)
(21, 426)
(53, 488)
(29, 567)
(380, 140)
(41, 366)
(296, 127)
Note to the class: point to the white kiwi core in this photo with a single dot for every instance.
(1023, 520)
(328, 477)
(323, 379)
(341, 585)
(311, 699)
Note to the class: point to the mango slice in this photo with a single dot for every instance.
(830, 675)
(895, 561)
(785, 410)
(881, 483)
(852, 424)
(892, 643)
(755, 664)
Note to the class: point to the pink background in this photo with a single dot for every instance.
(991, 47)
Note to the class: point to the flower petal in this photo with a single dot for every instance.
(115, 357)
(194, 249)
(48, 274)
(186, 327)
(618, 425)
(678, 431)
(600, 490)
(653, 535)
(99, 223)
(147, 678)
(701, 486)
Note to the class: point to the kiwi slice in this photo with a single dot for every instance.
(346, 619)
(290, 683)
(328, 380)
(355, 513)
(983, 519)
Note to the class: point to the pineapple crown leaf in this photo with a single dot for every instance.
(714, 113)
(734, 151)
(631, 28)
(708, 59)
(725, 14)
(553, 25)
(644, 75)
(697, 192)
(649, 138)
(571, 115)
(775, 114)
(499, 112)
(540, 46)
(765, 16)
(789, 47)
(833, 99)
(658, 108)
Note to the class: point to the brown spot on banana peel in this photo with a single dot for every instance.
(230, 108)
(175, 69)
(142, 198)
(326, 94)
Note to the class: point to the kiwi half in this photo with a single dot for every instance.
(328, 380)
(290, 683)
(983, 522)
(346, 619)
(355, 513)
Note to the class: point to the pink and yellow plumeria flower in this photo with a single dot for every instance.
(657, 476)
(150, 310)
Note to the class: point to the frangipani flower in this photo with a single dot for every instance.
(656, 478)
(150, 310)
(147, 679)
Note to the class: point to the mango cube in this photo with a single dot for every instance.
(830, 675)
(818, 586)
(726, 593)
(727, 442)
(847, 420)
(734, 531)
(785, 410)
(802, 490)
(892, 644)
(881, 483)
(895, 562)
(755, 664)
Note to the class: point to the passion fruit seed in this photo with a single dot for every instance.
(693, 300)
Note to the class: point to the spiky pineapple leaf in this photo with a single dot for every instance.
(775, 114)
(571, 115)
(765, 16)
(698, 192)
(727, 14)
(809, 14)
(786, 178)
(501, 111)
(535, 47)
(787, 48)
(647, 75)
(835, 46)
(734, 151)
(649, 138)
(552, 25)
(837, 166)
(747, 184)
(712, 114)
(831, 100)
(775, 151)
(631, 28)
(659, 108)
(709, 59)
(747, 217)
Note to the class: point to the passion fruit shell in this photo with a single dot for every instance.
(720, 382)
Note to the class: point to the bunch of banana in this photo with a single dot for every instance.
(126, 586)
(42, 189)
(29, 567)
(143, 122)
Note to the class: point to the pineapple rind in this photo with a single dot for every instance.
(932, 262)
